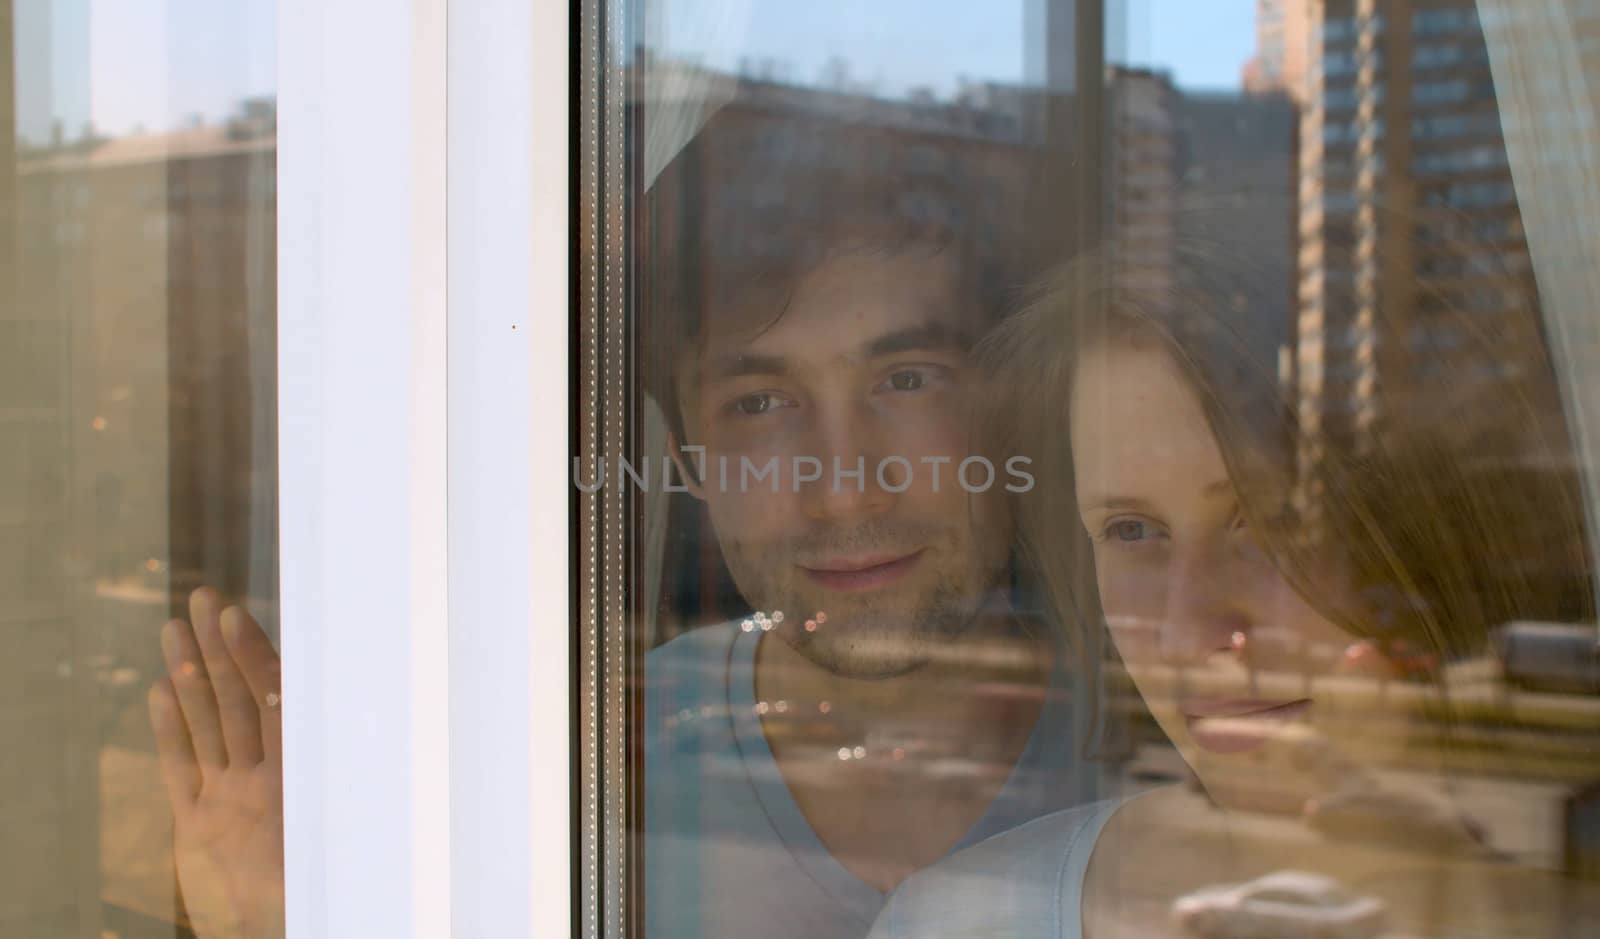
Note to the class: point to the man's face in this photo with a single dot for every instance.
(867, 368)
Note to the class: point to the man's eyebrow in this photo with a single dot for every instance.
(742, 364)
(930, 335)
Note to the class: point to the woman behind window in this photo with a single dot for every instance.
(1270, 583)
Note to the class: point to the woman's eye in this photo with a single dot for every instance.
(1131, 530)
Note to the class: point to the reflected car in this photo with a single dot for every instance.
(1399, 817)
(1554, 657)
(1283, 905)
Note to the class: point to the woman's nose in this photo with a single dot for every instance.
(1205, 614)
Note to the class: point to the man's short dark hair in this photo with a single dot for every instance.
(781, 180)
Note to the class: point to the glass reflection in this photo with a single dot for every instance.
(137, 421)
(1294, 354)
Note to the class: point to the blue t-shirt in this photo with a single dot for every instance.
(728, 853)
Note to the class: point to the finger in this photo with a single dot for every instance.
(195, 697)
(262, 669)
(241, 722)
(179, 769)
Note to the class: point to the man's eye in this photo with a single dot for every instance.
(752, 405)
(911, 379)
(906, 381)
(1131, 530)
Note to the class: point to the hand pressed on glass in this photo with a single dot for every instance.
(219, 730)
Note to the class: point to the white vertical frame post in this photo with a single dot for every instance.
(509, 486)
(362, 385)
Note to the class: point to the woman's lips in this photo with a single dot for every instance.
(1237, 725)
(854, 575)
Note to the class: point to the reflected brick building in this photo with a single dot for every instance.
(1201, 207)
(1283, 40)
(1141, 107)
(1418, 320)
(1410, 235)
(161, 248)
(137, 459)
(1236, 220)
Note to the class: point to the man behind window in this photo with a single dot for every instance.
(817, 286)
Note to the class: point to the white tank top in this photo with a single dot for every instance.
(1026, 883)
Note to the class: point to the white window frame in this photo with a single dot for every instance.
(423, 376)
(510, 575)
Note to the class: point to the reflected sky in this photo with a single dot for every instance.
(153, 65)
(896, 46)
(199, 58)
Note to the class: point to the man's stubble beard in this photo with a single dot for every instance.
(876, 644)
(875, 635)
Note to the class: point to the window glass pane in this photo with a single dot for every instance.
(137, 457)
(1069, 468)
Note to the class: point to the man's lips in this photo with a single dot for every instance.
(1235, 725)
(861, 572)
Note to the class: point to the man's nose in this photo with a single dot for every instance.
(845, 445)
(1204, 609)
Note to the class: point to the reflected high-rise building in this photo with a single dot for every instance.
(174, 231)
(1283, 39)
(1142, 110)
(1236, 221)
(1199, 189)
(1409, 229)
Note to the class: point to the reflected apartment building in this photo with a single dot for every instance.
(1283, 41)
(139, 455)
(1236, 223)
(1200, 205)
(1409, 228)
(1142, 108)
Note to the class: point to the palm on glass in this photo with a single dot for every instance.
(219, 731)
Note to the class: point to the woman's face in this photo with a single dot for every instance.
(1193, 603)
